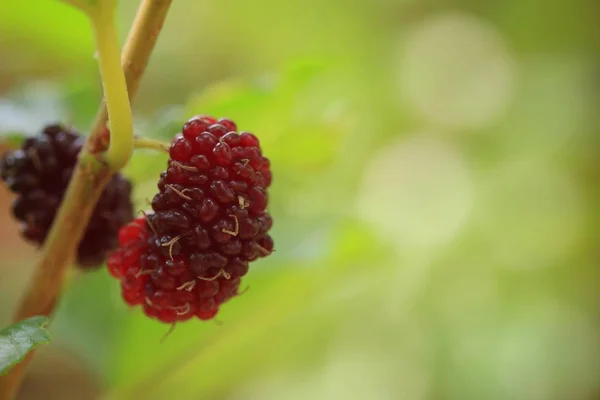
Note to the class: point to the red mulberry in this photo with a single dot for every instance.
(209, 222)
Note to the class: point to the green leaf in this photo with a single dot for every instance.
(19, 339)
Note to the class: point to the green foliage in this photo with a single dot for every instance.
(19, 339)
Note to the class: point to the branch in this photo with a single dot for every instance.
(87, 183)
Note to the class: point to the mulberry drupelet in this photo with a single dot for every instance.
(209, 222)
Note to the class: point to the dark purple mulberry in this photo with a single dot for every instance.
(39, 172)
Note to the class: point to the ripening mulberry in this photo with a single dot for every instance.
(39, 172)
(210, 221)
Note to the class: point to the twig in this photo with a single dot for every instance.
(147, 143)
(89, 179)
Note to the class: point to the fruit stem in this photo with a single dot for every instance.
(116, 97)
(90, 176)
(147, 143)
(136, 52)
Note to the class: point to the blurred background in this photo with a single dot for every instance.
(436, 199)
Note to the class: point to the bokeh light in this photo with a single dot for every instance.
(456, 70)
(417, 192)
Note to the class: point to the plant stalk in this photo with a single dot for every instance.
(115, 89)
(147, 143)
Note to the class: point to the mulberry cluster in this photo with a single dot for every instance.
(209, 222)
(39, 172)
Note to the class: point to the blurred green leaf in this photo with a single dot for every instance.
(242, 102)
(165, 124)
(320, 142)
(19, 339)
(288, 306)
(36, 25)
(146, 165)
(81, 97)
(89, 318)
(135, 363)
(262, 330)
